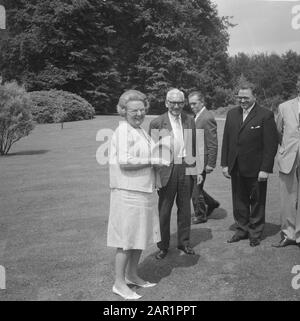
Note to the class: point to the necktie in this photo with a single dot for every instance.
(178, 137)
(245, 114)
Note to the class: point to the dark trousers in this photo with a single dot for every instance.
(180, 186)
(249, 202)
(201, 199)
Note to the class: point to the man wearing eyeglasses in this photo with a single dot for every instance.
(248, 150)
(174, 179)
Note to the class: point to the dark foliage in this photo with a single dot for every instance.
(59, 106)
(99, 48)
(15, 116)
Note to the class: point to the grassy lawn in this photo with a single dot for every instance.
(54, 200)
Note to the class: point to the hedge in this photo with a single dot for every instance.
(59, 106)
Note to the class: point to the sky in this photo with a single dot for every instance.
(269, 26)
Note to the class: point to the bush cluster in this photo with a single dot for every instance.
(59, 106)
(15, 117)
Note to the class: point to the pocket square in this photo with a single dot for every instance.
(254, 127)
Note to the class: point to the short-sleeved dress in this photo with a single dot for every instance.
(133, 216)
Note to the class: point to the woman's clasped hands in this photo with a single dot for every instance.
(157, 162)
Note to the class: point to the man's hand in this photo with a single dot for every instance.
(159, 162)
(225, 172)
(262, 176)
(199, 179)
(208, 169)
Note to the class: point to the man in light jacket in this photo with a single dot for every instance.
(288, 128)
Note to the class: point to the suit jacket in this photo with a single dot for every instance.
(206, 121)
(129, 146)
(163, 124)
(252, 143)
(288, 135)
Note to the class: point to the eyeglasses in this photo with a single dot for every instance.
(136, 111)
(174, 103)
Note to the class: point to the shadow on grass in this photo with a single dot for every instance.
(28, 153)
(154, 270)
(270, 229)
(218, 214)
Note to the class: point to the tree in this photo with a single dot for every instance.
(273, 75)
(99, 48)
(291, 67)
(15, 117)
(184, 46)
(62, 45)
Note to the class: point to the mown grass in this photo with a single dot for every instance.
(54, 203)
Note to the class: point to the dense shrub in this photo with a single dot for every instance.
(15, 117)
(58, 106)
(272, 102)
(223, 97)
(222, 111)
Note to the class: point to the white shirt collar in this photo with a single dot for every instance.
(199, 112)
(172, 117)
(247, 111)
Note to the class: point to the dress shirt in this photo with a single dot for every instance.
(246, 112)
(199, 113)
(176, 123)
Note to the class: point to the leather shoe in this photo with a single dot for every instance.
(236, 238)
(199, 220)
(210, 209)
(254, 242)
(186, 249)
(161, 254)
(285, 242)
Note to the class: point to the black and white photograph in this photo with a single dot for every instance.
(149, 152)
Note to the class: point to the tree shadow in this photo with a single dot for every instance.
(218, 214)
(28, 153)
(154, 270)
(199, 235)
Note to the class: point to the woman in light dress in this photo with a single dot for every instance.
(133, 218)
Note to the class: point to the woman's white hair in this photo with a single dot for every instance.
(131, 95)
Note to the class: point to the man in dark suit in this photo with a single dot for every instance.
(248, 151)
(175, 180)
(203, 203)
